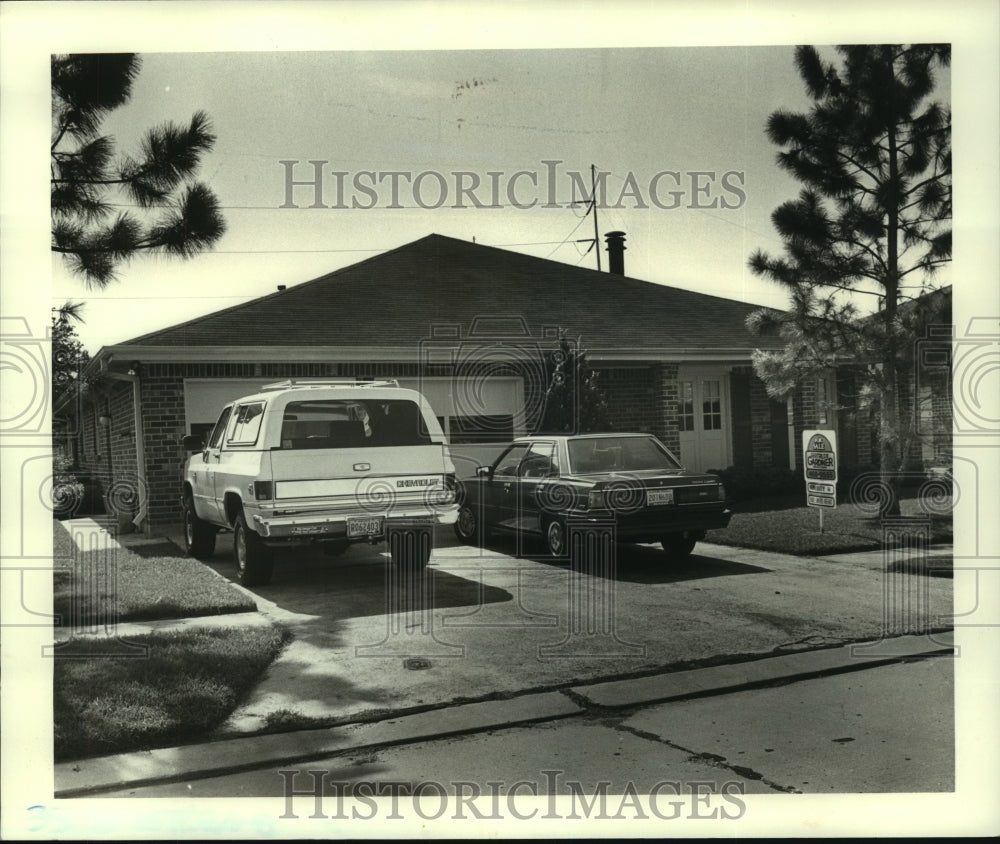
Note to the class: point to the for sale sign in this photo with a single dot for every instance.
(819, 458)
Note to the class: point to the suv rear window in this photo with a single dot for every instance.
(352, 423)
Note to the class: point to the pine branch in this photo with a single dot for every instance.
(85, 89)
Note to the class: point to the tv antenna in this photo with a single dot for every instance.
(595, 241)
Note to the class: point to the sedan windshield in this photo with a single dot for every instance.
(619, 454)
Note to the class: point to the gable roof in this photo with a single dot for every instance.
(396, 297)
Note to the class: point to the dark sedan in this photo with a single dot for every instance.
(547, 486)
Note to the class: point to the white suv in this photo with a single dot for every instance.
(319, 462)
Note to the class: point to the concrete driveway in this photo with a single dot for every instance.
(489, 623)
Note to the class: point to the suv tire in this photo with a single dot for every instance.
(254, 560)
(410, 547)
(199, 536)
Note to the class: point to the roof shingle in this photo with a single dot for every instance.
(396, 297)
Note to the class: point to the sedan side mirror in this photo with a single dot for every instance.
(484, 472)
(193, 442)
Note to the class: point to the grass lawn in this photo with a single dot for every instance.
(187, 685)
(124, 586)
(795, 530)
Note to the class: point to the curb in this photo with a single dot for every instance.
(114, 773)
(723, 679)
(108, 773)
(125, 629)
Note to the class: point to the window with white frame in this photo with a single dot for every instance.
(711, 403)
(685, 416)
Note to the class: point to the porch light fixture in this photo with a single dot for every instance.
(103, 420)
(133, 368)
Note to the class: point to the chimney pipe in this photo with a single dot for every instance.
(281, 287)
(616, 252)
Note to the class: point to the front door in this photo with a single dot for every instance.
(537, 466)
(500, 489)
(703, 419)
(204, 469)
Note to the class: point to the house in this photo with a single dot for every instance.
(470, 326)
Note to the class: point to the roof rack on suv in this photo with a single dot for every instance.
(293, 383)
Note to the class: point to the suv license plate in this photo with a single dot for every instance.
(366, 527)
(659, 496)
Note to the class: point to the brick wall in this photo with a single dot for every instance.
(123, 495)
(92, 445)
(942, 420)
(804, 415)
(163, 426)
(669, 407)
(632, 398)
(643, 399)
(932, 420)
(865, 426)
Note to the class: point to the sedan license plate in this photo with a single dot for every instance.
(366, 527)
(655, 497)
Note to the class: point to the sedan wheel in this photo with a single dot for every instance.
(555, 538)
(678, 546)
(467, 526)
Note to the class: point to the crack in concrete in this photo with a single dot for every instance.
(811, 642)
(711, 759)
(579, 699)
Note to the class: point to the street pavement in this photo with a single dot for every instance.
(838, 733)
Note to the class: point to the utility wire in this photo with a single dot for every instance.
(563, 241)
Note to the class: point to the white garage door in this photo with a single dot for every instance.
(489, 408)
(204, 398)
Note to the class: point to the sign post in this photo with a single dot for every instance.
(819, 462)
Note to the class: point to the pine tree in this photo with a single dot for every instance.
(89, 181)
(68, 355)
(573, 403)
(874, 216)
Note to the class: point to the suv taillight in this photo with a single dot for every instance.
(262, 490)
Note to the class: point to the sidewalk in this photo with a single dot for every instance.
(108, 773)
(939, 557)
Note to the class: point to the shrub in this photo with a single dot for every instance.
(67, 491)
(744, 482)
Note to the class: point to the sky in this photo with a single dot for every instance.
(695, 115)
